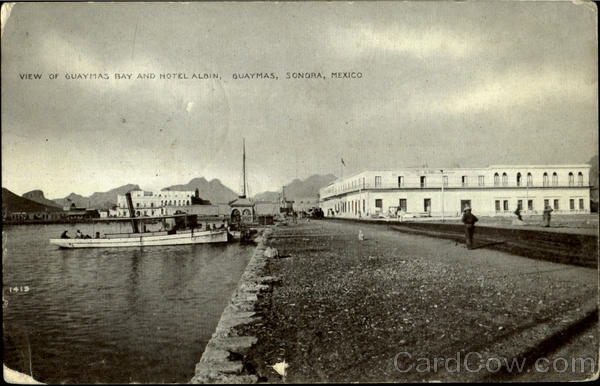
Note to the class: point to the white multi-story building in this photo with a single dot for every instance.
(492, 191)
(153, 203)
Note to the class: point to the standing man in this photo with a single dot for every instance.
(469, 220)
(547, 211)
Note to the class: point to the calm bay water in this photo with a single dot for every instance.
(112, 315)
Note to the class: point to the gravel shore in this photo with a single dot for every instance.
(384, 308)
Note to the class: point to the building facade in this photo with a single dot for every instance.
(493, 191)
(153, 203)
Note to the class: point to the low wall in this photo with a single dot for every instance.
(566, 248)
(221, 361)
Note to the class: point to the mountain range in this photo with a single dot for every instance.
(213, 190)
(14, 203)
(98, 200)
(298, 190)
(38, 196)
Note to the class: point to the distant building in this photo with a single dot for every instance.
(153, 203)
(492, 191)
(34, 216)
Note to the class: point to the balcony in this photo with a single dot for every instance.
(437, 185)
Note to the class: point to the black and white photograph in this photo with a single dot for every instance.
(299, 192)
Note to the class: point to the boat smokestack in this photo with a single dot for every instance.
(134, 224)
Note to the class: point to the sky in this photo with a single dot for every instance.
(442, 84)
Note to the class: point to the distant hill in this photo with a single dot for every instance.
(214, 191)
(298, 190)
(106, 200)
(98, 200)
(15, 203)
(38, 196)
(268, 196)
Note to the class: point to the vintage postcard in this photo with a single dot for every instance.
(266, 192)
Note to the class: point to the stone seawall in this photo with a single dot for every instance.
(221, 361)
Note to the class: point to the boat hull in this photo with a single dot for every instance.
(141, 240)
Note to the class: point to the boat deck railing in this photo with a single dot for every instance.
(158, 233)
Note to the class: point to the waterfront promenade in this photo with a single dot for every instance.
(384, 308)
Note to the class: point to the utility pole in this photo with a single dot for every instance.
(442, 194)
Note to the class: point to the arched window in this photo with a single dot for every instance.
(580, 179)
(545, 179)
(554, 179)
(529, 179)
(504, 179)
(496, 179)
(518, 179)
(571, 179)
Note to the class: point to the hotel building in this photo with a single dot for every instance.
(493, 191)
(148, 203)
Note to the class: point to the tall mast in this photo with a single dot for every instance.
(244, 168)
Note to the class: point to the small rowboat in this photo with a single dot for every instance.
(120, 240)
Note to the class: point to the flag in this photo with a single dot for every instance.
(343, 163)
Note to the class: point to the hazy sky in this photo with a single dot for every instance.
(443, 84)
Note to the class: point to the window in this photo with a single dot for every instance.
(545, 182)
(497, 205)
(363, 205)
(520, 204)
(427, 205)
(504, 179)
(377, 181)
(518, 179)
(378, 203)
(423, 181)
(445, 181)
(481, 180)
(529, 179)
(529, 204)
(581, 204)
(402, 204)
(556, 204)
(571, 204)
(363, 186)
(496, 179)
(554, 179)
(546, 203)
(465, 181)
(400, 181)
(188, 202)
(580, 179)
(571, 179)
(137, 204)
(151, 205)
(505, 205)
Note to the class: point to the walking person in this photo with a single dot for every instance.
(547, 211)
(518, 213)
(469, 220)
